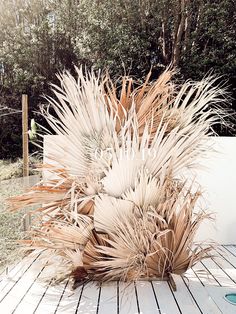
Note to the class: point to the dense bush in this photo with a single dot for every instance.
(38, 38)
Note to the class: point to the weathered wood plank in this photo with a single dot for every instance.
(226, 266)
(69, 302)
(199, 291)
(108, 298)
(127, 299)
(146, 298)
(11, 275)
(184, 299)
(231, 249)
(165, 298)
(200, 294)
(9, 281)
(204, 276)
(227, 255)
(31, 299)
(50, 300)
(18, 292)
(89, 299)
(217, 294)
(8, 269)
(218, 273)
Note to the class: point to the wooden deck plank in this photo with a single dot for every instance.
(165, 298)
(146, 298)
(127, 299)
(68, 303)
(184, 299)
(89, 299)
(8, 268)
(18, 292)
(226, 266)
(231, 249)
(218, 273)
(200, 294)
(50, 300)
(201, 290)
(9, 282)
(4, 272)
(204, 276)
(108, 298)
(217, 294)
(227, 255)
(32, 298)
(15, 274)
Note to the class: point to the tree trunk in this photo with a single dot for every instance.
(188, 23)
(164, 28)
(179, 30)
(164, 41)
(198, 19)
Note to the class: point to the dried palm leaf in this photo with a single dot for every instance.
(151, 242)
(119, 206)
(82, 101)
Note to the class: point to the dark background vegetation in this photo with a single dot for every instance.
(39, 38)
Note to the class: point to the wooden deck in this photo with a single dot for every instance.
(200, 291)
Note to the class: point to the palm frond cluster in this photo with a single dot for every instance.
(119, 207)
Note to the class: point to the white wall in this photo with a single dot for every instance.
(49, 153)
(219, 182)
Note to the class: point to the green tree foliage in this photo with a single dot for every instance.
(35, 42)
(212, 42)
(39, 38)
(194, 35)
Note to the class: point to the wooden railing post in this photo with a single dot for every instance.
(25, 148)
(25, 140)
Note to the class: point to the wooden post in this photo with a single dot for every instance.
(25, 135)
(25, 147)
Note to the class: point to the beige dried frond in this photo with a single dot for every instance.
(81, 116)
(118, 206)
(106, 211)
(151, 242)
(63, 234)
(150, 100)
(74, 196)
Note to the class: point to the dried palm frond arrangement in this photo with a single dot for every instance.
(118, 207)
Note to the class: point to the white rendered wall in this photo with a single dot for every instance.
(49, 153)
(218, 181)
